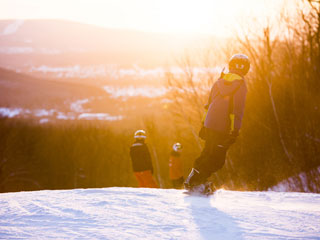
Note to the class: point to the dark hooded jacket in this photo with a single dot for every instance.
(140, 157)
(226, 104)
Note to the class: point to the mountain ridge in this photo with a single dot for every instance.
(36, 42)
(23, 90)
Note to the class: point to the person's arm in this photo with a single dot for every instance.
(148, 158)
(239, 100)
(206, 107)
(210, 97)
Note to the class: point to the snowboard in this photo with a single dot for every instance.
(197, 194)
(205, 190)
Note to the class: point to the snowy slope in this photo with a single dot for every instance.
(137, 213)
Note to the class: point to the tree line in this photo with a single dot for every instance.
(280, 136)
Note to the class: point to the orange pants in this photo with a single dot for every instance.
(145, 179)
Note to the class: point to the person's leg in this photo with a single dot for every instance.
(149, 180)
(199, 173)
(212, 158)
(140, 179)
(216, 159)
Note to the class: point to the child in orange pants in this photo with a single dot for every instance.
(141, 161)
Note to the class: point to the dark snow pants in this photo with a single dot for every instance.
(213, 155)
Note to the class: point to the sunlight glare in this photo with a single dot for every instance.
(178, 16)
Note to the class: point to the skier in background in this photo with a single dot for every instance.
(141, 161)
(222, 123)
(175, 166)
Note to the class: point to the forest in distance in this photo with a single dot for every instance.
(279, 139)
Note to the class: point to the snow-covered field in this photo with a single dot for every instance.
(77, 112)
(138, 213)
(44, 115)
(131, 91)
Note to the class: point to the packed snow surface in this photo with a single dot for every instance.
(139, 213)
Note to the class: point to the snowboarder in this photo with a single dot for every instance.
(222, 123)
(175, 166)
(141, 161)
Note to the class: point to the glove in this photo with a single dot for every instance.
(231, 139)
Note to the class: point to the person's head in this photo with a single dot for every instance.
(177, 147)
(140, 135)
(239, 63)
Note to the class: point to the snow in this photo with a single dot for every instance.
(14, 112)
(131, 91)
(138, 71)
(70, 71)
(300, 182)
(76, 107)
(13, 27)
(63, 116)
(111, 70)
(99, 116)
(16, 50)
(29, 50)
(43, 112)
(43, 120)
(95, 70)
(140, 213)
(10, 112)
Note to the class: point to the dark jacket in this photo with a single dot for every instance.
(140, 156)
(226, 104)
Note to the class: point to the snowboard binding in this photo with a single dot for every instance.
(195, 185)
(204, 189)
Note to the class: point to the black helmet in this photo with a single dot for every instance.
(240, 62)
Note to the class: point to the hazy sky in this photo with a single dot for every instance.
(180, 16)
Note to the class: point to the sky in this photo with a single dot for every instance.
(214, 17)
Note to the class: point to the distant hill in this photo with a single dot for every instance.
(61, 43)
(21, 90)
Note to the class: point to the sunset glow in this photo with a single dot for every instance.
(191, 16)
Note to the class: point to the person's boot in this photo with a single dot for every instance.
(208, 190)
(201, 189)
(193, 179)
